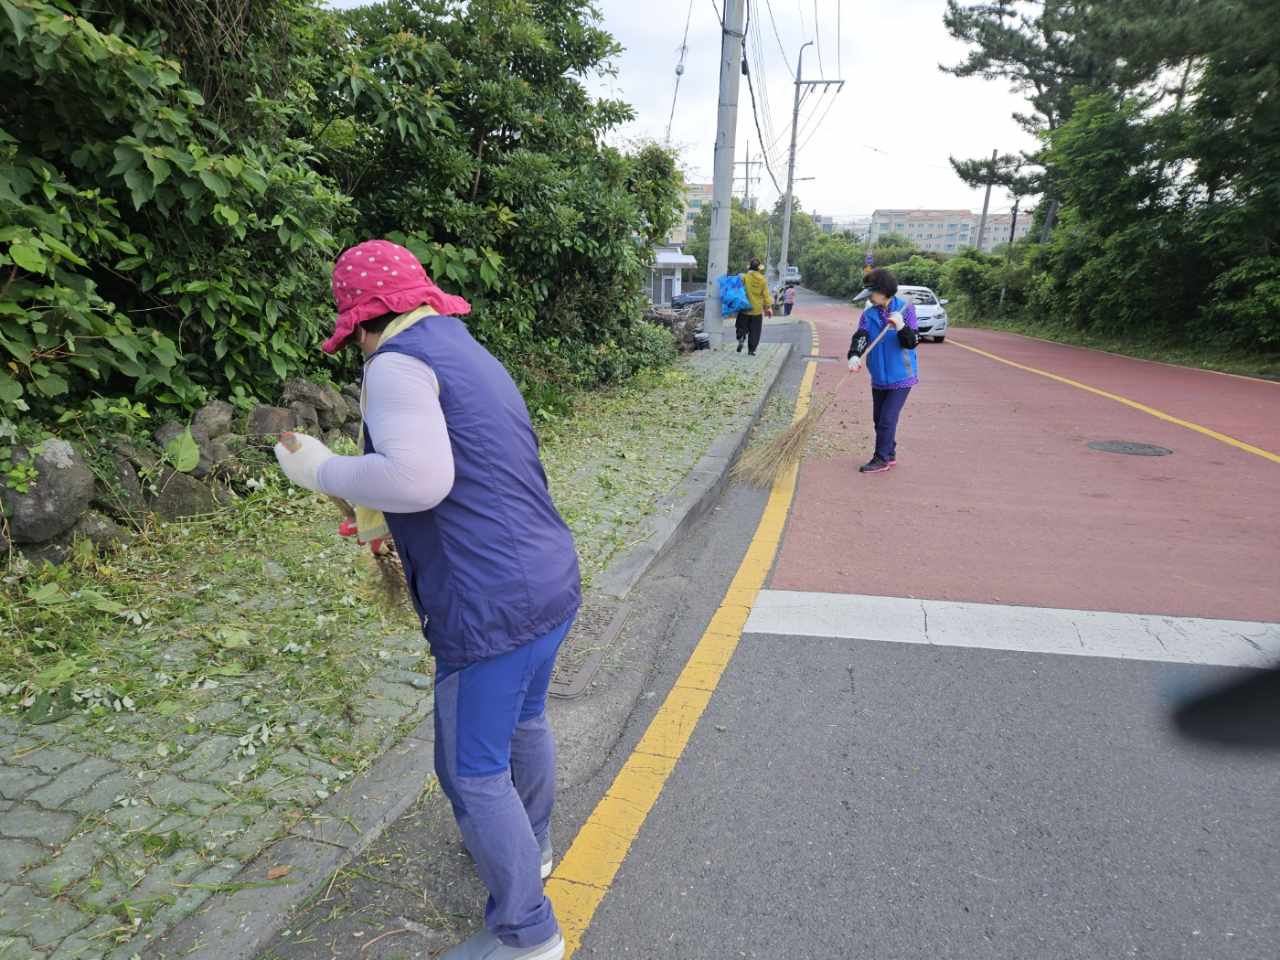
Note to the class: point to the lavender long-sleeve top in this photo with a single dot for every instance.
(413, 468)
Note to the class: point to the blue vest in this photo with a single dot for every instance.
(888, 364)
(493, 566)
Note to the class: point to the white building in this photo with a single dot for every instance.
(943, 231)
(997, 232)
(947, 231)
(696, 196)
(666, 274)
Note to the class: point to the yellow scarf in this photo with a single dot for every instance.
(371, 524)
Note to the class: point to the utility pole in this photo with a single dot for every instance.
(748, 178)
(731, 36)
(1050, 215)
(791, 163)
(986, 201)
(1008, 250)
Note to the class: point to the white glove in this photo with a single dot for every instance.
(855, 364)
(303, 465)
(897, 320)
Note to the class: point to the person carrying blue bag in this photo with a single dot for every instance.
(733, 295)
(750, 323)
(893, 366)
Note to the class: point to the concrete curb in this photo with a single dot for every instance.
(240, 925)
(683, 507)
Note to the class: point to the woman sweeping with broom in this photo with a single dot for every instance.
(452, 461)
(893, 366)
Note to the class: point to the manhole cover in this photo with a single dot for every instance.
(1131, 448)
(597, 626)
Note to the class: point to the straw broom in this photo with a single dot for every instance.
(389, 580)
(763, 462)
(389, 568)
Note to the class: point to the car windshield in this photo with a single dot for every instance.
(921, 298)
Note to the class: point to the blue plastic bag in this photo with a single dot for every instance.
(733, 295)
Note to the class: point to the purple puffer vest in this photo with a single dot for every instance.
(493, 566)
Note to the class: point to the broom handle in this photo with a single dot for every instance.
(879, 336)
(291, 443)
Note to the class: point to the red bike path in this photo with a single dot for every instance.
(997, 497)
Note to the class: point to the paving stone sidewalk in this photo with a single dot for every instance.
(117, 823)
(104, 843)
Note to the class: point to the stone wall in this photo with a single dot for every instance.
(103, 495)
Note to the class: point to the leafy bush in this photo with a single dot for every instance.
(143, 245)
(1246, 303)
(177, 179)
(918, 272)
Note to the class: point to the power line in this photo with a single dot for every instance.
(839, 39)
(831, 103)
(777, 36)
(755, 113)
(718, 16)
(684, 50)
(805, 126)
(758, 60)
(817, 36)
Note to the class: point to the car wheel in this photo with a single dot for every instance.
(939, 339)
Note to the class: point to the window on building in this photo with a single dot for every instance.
(951, 246)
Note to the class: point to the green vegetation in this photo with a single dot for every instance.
(177, 178)
(265, 600)
(1160, 211)
(754, 233)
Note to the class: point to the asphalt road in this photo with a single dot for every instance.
(853, 790)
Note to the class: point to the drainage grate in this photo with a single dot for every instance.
(597, 626)
(1130, 448)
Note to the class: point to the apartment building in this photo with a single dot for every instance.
(997, 232)
(940, 231)
(696, 196)
(851, 225)
(947, 231)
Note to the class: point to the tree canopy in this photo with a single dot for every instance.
(176, 179)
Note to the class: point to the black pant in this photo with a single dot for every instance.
(750, 325)
(886, 408)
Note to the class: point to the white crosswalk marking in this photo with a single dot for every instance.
(1086, 633)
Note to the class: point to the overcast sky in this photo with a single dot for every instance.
(885, 139)
(881, 142)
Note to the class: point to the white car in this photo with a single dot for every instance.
(931, 315)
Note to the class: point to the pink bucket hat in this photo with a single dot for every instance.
(378, 277)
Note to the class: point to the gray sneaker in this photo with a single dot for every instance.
(485, 946)
(548, 857)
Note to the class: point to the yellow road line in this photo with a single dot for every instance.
(583, 877)
(1158, 414)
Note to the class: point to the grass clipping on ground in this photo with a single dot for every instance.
(262, 605)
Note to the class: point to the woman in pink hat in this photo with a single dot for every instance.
(451, 460)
